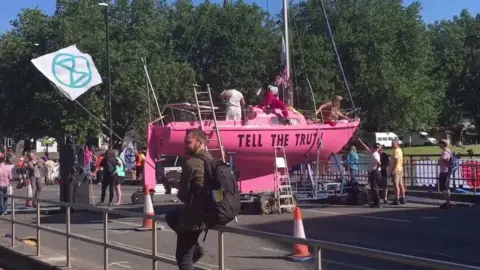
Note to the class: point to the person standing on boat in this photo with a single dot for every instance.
(330, 111)
(235, 104)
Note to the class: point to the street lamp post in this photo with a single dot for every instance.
(105, 5)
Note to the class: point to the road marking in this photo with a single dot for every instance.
(324, 260)
(165, 229)
(120, 232)
(121, 264)
(356, 215)
(429, 217)
(55, 259)
(161, 254)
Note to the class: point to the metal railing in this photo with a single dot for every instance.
(416, 173)
(317, 245)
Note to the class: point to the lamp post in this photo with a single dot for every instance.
(109, 82)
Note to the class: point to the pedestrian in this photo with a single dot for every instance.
(34, 175)
(383, 185)
(21, 171)
(397, 173)
(139, 165)
(87, 159)
(5, 178)
(109, 164)
(120, 177)
(189, 220)
(374, 176)
(99, 169)
(50, 166)
(352, 162)
(235, 103)
(445, 172)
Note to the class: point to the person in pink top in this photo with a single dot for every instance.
(87, 159)
(445, 171)
(5, 178)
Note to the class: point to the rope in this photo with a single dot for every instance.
(339, 61)
(98, 120)
(185, 62)
(302, 56)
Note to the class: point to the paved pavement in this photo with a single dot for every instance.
(414, 229)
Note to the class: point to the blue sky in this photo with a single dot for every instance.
(432, 9)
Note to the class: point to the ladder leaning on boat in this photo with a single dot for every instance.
(208, 103)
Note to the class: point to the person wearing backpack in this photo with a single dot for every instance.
(444, 162)
(188, 221)
(109, 164)
(210, 195)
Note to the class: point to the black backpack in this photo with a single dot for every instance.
(110, 166)
(223, 198)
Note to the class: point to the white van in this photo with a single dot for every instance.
(418, 138)
(383, 138)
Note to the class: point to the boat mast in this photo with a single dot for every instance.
(287, 54)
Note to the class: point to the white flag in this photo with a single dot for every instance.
(72, 71)
(128, 157)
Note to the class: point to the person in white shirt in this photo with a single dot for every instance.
(235, 103)
(374, 176)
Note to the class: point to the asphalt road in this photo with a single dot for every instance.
(419, 230)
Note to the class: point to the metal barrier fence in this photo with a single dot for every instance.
(317, 245)
(418, 171)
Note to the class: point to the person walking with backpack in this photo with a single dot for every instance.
(189, 220)
(208, 188)
(444, 163)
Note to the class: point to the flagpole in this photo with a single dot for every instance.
(287, 53)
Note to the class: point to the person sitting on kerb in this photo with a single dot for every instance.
(330, 111)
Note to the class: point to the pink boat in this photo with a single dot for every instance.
(252, 142)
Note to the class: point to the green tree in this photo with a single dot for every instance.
(385, 51)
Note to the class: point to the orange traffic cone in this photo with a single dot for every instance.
(300, 252)
(147, 210)
(28, 203)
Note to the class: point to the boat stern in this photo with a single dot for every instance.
(158, 138)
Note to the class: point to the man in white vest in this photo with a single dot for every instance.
(235, 104)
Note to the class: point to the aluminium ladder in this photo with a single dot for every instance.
(208, 104)
(284, 198)
(211, 108)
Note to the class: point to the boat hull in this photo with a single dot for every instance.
(253, 146)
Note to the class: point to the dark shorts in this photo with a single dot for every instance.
(138, 171)
(120, 180)
(444, 181)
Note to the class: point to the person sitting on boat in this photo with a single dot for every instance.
(330, 111)
(270, 101)
(235, 104)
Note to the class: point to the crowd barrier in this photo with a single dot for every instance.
(317, 245)
(418, 171)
